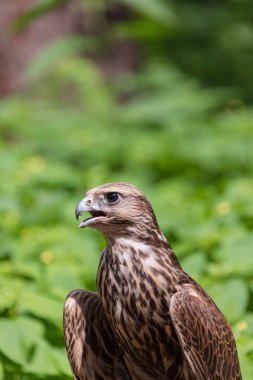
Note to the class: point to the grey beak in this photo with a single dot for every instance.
(78, 211)
(81, 207)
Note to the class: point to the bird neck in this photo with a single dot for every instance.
(152, 248)
(147, 234)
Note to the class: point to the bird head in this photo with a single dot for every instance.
(116, 209)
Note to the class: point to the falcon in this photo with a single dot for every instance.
(149, 320)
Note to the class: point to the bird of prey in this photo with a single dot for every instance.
(149, 320)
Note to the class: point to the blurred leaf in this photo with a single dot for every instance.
(17, 338)
(231, 297)
(47, 361)
(36, 11)
(53, 52)
(194, 264)
(236, 254)
(1, 372)
(158, 10)
(42, 306)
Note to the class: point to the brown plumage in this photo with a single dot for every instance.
(149, 319)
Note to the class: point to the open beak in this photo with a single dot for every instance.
(95, 214)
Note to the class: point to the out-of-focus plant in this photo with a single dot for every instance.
(187, 146)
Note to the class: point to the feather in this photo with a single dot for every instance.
(204, 335)
(92, 351)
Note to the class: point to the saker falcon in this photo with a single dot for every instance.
(149, 320)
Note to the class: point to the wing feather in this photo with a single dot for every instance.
(205, 336)
(92, 350)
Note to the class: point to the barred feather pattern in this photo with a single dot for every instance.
(91, 347)
(151, 320)
(135, 288)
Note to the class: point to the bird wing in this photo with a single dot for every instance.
(205, 337)
(92, 350)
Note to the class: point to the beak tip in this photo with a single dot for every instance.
(77, 212)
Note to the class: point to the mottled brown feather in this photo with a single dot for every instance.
(204, 335)
(92, 350)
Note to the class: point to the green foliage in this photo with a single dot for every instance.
(211, 40)
(188, 147)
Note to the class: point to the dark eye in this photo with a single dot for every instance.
(112, 197)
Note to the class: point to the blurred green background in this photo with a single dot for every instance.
(157, 93)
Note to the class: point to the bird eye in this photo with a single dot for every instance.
(112, 197)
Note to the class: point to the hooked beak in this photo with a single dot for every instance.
(95, 214)
(81, 207)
